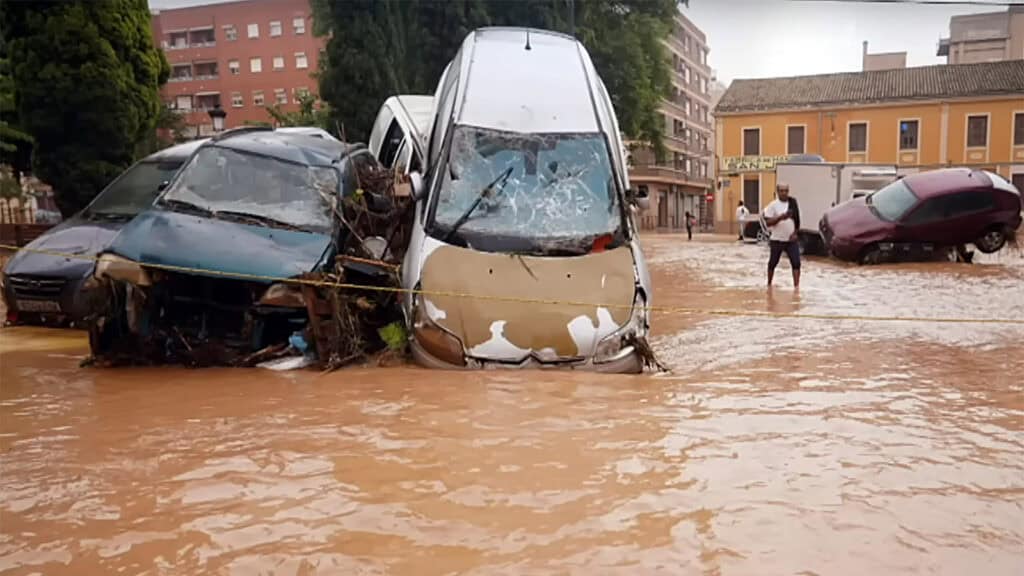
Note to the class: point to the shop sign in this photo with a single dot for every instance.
(736, 164)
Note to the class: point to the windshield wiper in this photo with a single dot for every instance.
(186, 206)
(257, 219)
(503, 178)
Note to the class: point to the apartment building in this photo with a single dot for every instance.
(913, 118)
(985, 37)
(680, 182)
(242, 56)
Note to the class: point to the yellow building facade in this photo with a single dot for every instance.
(976, 123)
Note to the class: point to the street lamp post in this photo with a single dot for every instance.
(217, 115)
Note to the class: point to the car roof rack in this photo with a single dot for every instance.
(230, 132)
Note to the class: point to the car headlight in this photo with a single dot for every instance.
(620, 344)
(116, 267)
(434, 339)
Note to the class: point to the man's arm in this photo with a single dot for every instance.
(773, 220)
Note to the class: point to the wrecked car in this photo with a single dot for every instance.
(43, 283)
(229, 265)
(523, 252)
(923, 216)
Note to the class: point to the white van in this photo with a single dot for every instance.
(523, 252)
(400, 131)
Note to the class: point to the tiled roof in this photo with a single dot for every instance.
(924, 83)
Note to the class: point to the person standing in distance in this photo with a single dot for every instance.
(783, 217)
(741, 213)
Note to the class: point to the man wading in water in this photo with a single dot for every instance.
(783, 217)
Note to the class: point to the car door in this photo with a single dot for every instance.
(925, 222)
(951, 219)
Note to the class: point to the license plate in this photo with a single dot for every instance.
(37, 306)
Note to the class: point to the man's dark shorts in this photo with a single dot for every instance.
(792, 250)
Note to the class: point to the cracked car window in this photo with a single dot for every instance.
(220, 179)
(559, 185)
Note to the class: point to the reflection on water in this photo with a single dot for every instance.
(774, 447)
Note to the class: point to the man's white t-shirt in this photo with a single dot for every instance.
(741, 212)
(784, 228)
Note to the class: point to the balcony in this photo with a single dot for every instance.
(180, 40)
(668, 175)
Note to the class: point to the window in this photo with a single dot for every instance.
(686, 106)
(892, 201)
(300, 93)
(858, 137)
(281, 96)
(752, 194)
(951, 206)
(275, 28)
(183, 102)
(392, 141)
(908, 134)
(751, 142)
(299, 24)
(300, 60)
(977, 131)
(795, 140)
(236, 99)
(1018, 181)
(1018, 129)
(233, 67)
(255, 65)
(686, 73)
(254, 30)
(703, 85)
(278, 62)
(689, 166)
(257, 98)
(230, 33)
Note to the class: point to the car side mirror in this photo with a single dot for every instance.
(419, 187)
(163, 186)
(640, 198)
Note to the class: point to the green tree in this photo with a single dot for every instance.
(380, 48)
(308, 114)
(87, 79)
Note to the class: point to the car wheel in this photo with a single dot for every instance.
(761, 236)
(871, 255)
(991, 241)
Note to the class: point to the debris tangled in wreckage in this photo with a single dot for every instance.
(199, 320)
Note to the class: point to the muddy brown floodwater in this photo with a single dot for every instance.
(776, 446)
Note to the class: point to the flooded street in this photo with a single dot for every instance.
(775, 446)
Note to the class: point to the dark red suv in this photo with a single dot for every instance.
(925, 213)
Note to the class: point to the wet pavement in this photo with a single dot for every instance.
(775, 446)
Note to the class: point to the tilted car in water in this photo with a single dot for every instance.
(41, 287)
(922, 214)
(197, 278)
(523, 251)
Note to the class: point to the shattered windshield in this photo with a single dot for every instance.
(531, 186)
(135, 190)
(224, 180)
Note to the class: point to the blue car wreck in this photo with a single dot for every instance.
(228, 266)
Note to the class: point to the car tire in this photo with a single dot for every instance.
(991, 241)
(871, 255)
(761, 236)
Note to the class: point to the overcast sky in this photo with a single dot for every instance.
(766, 38)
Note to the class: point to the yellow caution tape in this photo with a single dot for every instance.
(521, 300)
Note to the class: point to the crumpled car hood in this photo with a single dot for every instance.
(76, 236)
(512, 331)
(176, 239)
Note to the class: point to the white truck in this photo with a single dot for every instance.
(821, 185)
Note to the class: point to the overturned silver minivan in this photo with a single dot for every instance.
(524, 252)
